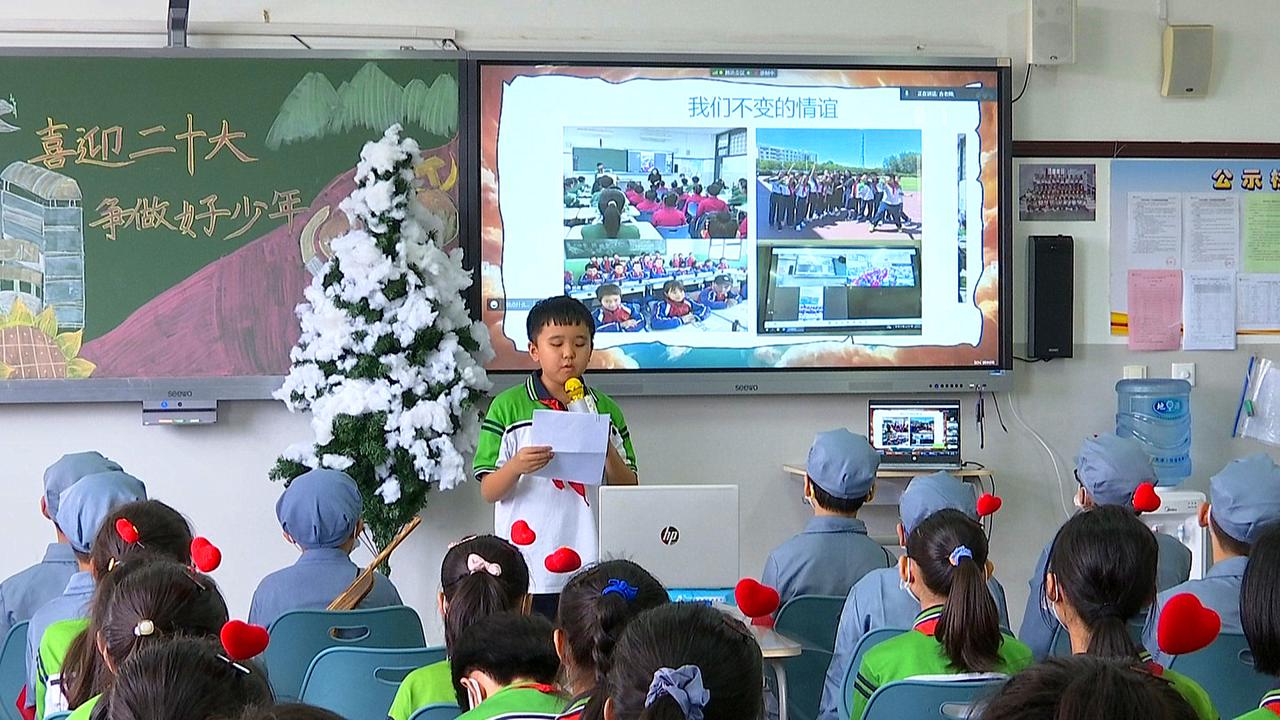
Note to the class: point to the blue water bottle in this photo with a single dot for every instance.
(1157, 413)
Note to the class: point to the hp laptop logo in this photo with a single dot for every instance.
(670, 535)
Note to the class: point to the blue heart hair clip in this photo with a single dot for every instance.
(617, 586)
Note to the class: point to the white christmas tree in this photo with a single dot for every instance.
(389, 362)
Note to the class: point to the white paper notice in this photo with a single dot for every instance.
(1211, 232)
(1155, 231)
(1209, 310)
(578, 442)
(1258, 301)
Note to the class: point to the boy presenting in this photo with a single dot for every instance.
(549, 519)
(833, 551)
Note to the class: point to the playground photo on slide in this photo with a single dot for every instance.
(832, 184)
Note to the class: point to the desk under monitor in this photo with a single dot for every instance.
(891, 483)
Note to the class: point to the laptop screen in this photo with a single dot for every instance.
(916, 433)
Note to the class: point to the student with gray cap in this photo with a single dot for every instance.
(1109, 469)
(833, 551)
(879, 599)
(320, 513)
(1244, 498)
(81, 510)
(22, 594)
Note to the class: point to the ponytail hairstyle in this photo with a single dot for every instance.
(671, 199)
(950, 550)
(716, 188)
(1260, 601)
(184, 678)
(137, 605)
(673, 637)
(1105, 564)
(481, 576)
(595, 607)
(697, 188)
(162, 534)
(610, 206)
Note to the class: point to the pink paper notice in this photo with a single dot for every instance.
(1155, 309)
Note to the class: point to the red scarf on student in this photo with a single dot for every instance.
(621, 315)
(679, 309)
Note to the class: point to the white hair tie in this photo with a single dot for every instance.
(144, 628)
(476, 564)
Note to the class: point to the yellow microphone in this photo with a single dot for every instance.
(579, 400)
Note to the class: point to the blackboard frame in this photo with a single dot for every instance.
(258, 387)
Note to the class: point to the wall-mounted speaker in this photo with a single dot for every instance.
(1050, 296)
(1188, 60)
(1051, 32)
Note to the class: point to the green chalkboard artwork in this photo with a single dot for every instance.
(161, 216)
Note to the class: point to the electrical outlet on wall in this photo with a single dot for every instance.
(1135, 372)
(1184, 371)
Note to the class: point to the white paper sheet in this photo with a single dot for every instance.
(1155, 231)
(1258, 301)
(1210, 232)
(578, 442)
(1209, 310)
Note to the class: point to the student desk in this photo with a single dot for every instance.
(647, 232)
(891, 483)
(775, 648)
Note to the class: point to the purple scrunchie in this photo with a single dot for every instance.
(684, 685)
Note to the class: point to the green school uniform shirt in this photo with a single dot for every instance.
(85, 711)
(54, 645)
(1268, 709)
(595, 231)
(425, 686)
(524, 701)
(559, 513)
(574, 711)
(917, 652)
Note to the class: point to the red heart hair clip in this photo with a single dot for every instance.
(205, 556)
(1145, 498)
(989, 504)
(1186, 626)
(126, 530)
(243, 641)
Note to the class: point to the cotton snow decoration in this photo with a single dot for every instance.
(389, 363)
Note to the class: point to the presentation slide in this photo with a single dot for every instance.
(718, 218)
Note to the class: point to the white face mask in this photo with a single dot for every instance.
(906, 586)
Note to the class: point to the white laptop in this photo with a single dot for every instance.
(686, 535)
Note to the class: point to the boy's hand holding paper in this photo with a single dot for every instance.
(578, 442)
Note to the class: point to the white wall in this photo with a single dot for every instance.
(217, 475)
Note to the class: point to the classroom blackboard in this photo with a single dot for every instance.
(161, 214)
(585, 159)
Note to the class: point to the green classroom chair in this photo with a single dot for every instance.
(1225, 671)
(810, 620)
(298, 636)
(359, 683)
(13, 669)
(441, 711)
(931, 699)
(868, 641)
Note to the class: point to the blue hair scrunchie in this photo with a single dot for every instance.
(622, 588)
(961, 551)
(684, 685)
